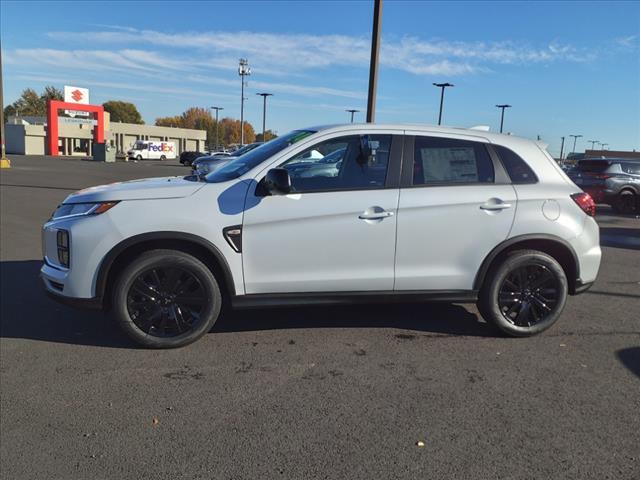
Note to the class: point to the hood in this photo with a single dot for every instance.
(145, 189)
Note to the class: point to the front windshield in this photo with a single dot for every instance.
(255, 157)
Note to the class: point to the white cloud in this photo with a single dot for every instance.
(294, 52)
(629, 41)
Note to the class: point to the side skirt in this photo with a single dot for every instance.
(350, 298)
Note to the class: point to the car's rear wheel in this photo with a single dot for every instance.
(625, 202)
(163, 158)
(525, 294)
(166, 299)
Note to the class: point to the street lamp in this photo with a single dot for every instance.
(561, 148)
(243, 71)
(264, 112)
(352, 111)
(604, 146)
(217, 109)
(503, 106)
(575, 139)
(442, 86)
(593, 143)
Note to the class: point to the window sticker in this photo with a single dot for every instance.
(453, 164)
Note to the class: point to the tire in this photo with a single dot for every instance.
(139, 157)
(163, 158)
(625, 202)
(166, 299)
(513, 299)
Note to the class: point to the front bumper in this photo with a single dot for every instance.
(54, 280)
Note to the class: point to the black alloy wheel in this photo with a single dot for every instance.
(166, 298)
(166, 301)
(528, 295)
(524, 293)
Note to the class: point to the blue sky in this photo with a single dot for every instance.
(566, 67)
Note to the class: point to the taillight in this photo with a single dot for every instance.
(585, 202)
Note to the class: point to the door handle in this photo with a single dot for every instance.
(375, 216)
(495, 206)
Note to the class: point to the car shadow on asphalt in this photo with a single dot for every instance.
(630, 358)
(28, 313)
(618, 237)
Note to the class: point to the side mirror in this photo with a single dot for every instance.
(278, 181)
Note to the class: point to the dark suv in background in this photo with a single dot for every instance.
(613, 181)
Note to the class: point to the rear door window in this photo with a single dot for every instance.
(450, 161)
(633, 168)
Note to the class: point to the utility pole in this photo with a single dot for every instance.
(503, 106)
(243, 71)
(373, 66)
(352, 111)
(575, 139)
(4, 161)
(561, 148)
(217, 109)
(442, 86)
(264, 112)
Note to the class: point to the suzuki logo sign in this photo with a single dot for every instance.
(76, 95)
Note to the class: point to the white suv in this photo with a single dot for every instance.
(406, 213)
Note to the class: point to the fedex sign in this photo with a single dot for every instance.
(161, 147)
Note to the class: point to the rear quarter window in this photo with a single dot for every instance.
(517, 169)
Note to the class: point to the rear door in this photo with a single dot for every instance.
(456, 204)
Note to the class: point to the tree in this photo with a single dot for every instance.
(32, 104)
(201, 119)
(124, 112)
(269, 135)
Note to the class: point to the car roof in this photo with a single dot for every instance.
(499, 138)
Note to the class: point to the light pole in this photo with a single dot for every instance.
(575, 139)
(502, 107)
(442, 86)
(604, 146)
(593, 143)
(373, 65)
(597, 141)
(561, 148)
(217, 109)
(352, 111)
(243, 71)
(264, 112)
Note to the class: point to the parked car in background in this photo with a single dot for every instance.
(187, 158)
(414, 212)
(207, 163)
(612, 181)
(151, 150)
(327, 165)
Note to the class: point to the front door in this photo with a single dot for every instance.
(336, 231)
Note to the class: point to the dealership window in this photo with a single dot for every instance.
(450, 161)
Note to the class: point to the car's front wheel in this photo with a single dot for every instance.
(525, 294)
(166, 299)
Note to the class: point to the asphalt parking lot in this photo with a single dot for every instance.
(310, 393)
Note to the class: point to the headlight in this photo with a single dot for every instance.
(76, 209)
